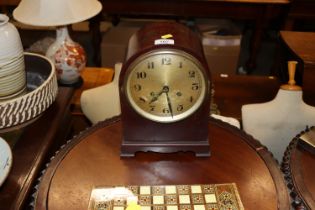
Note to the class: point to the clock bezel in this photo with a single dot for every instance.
(166, 119)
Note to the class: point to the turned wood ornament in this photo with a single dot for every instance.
(291, 83)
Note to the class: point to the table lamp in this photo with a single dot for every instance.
(68, 56)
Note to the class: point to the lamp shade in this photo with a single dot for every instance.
(55, 12)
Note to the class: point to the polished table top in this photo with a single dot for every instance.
(299, 43)
(93, 159)
(231, 92)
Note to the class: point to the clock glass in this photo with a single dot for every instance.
(165, 85)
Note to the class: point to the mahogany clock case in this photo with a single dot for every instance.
(141, 134)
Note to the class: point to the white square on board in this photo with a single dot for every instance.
(184, 199)
(145, 208)
(170, 189)
(199, 207)
(171, 208)
(118, 208)
(210, 198)
(145, 190)
(158, 199)
(196, 189)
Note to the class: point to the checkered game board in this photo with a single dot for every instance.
(168, 197)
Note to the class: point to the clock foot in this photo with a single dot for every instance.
(201, 149)
(206, 154)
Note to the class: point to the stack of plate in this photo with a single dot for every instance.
(12, 67)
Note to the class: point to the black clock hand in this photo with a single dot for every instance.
(165, 90)
(154, 98)
(169, 103)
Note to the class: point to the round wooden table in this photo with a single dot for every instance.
(93, 159)
(299, 169)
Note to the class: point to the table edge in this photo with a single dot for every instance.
(290, 168)
(268, 158)
(38, 160)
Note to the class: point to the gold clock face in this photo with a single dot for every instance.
(165, 86)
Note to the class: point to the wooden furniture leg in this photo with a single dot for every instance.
(94, 25)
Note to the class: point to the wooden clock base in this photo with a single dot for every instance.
(201, 149)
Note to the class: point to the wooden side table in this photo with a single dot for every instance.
(299, 170)
(232, 92)
(36, 143)
(301, 45)
(93, 159)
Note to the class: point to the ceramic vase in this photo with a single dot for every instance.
(12, 66)
(68, 56)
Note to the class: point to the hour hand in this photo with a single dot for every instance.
(156, 96)
(153, 99)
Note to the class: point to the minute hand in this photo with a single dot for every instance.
(169, 103)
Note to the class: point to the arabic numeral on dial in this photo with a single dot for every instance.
(180, 108)
(152, 108)
(166, 61)
(143, 100)
(180, 65)
(191, 99)
(192, 74)
(195, 86)
(141, 75)
(150, 65)
(166, 111)
(137, 87)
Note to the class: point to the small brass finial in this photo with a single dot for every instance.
(291, 83)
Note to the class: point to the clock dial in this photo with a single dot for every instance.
(165, 86)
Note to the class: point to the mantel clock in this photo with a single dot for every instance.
(165, 92)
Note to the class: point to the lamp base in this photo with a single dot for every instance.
(68, 56)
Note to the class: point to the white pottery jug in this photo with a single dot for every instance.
(12, 67)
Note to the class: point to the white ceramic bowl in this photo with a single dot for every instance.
(10, 40)
(12, 83)
(13, 95)
(5, 160)
(19, 66)
(27, 107)
(12, 67)
(11, 61)
(10, 92)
